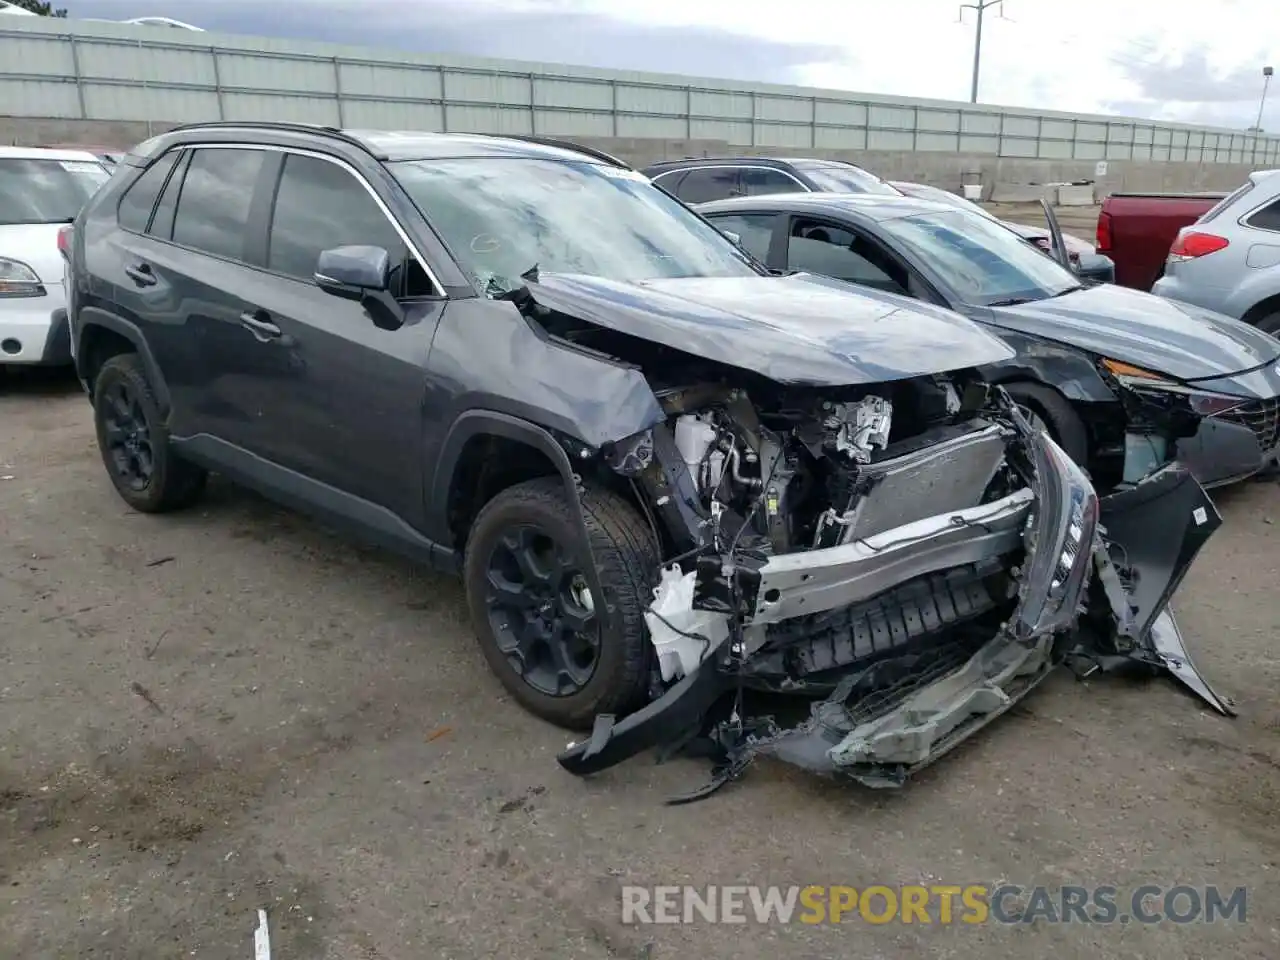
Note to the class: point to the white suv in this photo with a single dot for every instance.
(41, 191)
(1229, 259)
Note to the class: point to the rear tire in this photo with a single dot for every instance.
(134, 442)
(527, 580)
(1064, 425)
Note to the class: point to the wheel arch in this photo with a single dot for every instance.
(1262, 308)
(102, 336)
(465, 477)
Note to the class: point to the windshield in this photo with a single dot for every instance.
(983, 262)
(504, 216)
(838, 178)
(46, 191)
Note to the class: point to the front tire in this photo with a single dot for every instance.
(134, 443)
(1269, 323)
(562, 652)
(1063, 424)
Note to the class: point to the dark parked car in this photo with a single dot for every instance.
(700, 180)
(1121, 379)
(664, 473)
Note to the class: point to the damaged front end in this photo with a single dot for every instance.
(912, 558)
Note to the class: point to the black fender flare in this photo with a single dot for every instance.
(90, 317)
(474, 423)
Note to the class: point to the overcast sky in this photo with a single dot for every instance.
(1191, 61)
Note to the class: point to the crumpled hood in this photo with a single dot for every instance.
(798, 329)
(36, 245)
(1165, 336)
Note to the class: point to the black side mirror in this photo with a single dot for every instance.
(362, 274)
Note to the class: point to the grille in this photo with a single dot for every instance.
(1263, 418)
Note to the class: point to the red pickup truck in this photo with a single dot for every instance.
(1137, 229)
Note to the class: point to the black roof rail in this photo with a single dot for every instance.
(285, 125)
(569, 145)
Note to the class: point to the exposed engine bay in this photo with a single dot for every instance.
(911, 557)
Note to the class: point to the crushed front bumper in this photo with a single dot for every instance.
(1073, 598)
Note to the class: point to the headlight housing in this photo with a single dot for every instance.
(18, 280)
(1206, 403)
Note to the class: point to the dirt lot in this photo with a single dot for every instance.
(231, 709)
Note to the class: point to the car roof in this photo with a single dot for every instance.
(385, 145)
(872, 206)
(43, 153)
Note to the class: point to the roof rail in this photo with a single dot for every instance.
(570, 145)
(291, 126)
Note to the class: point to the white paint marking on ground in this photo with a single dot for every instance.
(262, 939)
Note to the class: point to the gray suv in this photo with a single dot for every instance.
(664, 473)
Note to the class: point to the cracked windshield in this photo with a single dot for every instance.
(505, 218)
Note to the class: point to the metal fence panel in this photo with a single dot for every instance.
(69, 69)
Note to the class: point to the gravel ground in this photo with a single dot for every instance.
(230, 709)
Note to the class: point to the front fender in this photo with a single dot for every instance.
(1069, 371)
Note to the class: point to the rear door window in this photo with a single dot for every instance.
(162, 219)
(140, 199)
(704, 184)
(670, 182)
(216, 200)
(757, 181)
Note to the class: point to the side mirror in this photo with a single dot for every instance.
(734, 238)
(362, 274)
(350, 272)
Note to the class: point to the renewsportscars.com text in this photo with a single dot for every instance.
(935, 904)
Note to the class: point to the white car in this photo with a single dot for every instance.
(41, 191)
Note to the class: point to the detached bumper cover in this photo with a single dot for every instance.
(885, 721)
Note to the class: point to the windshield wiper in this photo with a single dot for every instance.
(1011, 302)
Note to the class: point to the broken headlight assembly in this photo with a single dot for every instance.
(1165, 390)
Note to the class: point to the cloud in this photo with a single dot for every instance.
(1191, 62)
(546, 32)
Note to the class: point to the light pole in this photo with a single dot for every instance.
(1266, 80)
(981, 6)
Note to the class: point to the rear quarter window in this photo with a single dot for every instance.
(140, 198)
(1268, 218)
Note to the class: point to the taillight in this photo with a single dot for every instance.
(64, 241)
(1103, 240)
(1192, 244)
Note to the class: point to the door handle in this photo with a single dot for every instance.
(140, 273)
(256, 322)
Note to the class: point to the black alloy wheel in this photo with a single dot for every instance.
(128, 437)
(541, 611)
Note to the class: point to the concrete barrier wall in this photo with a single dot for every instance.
(113, 84)
(1003, 178)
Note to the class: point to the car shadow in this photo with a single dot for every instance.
(38, 381)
